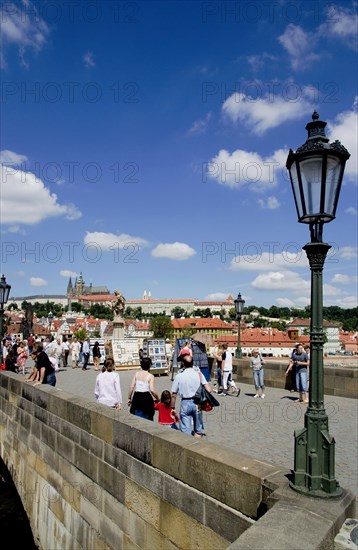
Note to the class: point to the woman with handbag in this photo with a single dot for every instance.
(142, 392)
(256, 363)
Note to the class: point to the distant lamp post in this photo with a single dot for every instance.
(50, 319)
(316, 172)
(4, 296)
(239, 307)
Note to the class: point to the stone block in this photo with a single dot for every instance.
(128, 544)
(111, 533)
(70, 431)
(111, 480)
(40, 414)
(185, 532)
(102, 421)
(302, 529)
(65, 447)
(116, 511)
(78, 414)
(225, 521)
(135, 436)
(148, 477)
(142, 502)
(92, 443)
(188, 500)
(117, 458)
(200, 465)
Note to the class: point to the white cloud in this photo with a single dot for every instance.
(173, 251)
(216, 297)
(245, 168)
(352, 211)
(344, 279)
(280, 280)
(22, 26)
(345, 129)
(200, 126)
(111, 241)
(26, 200)
(342, 23)
(257, 62)
(37, 281)
(12, 158)
(88, 59)
(347, 302)
(271, 203)
(267, 261)
(348, 252)
(267, 111)
(67, 273)
(329, 290)
(20, 273)
(299, 45)
(301, 301)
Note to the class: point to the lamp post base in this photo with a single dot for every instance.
(314, 469)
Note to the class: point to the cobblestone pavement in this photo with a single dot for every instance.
(260, 428)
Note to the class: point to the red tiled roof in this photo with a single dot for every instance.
(96, 298)
(260, 336)
(307, 322)
(200, 323)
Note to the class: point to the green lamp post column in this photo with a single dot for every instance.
(4, 295)
(316, 173)
(239, 307)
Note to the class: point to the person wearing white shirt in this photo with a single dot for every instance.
(75, 348)
(108, 387)
(86, 354)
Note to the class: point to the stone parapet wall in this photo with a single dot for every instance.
(338, 381)
(95, 478)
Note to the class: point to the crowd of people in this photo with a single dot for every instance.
(143, 399)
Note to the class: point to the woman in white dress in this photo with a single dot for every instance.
(108, 387)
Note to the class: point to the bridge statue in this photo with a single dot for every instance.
(119, 304)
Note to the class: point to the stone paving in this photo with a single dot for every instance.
(260, 428)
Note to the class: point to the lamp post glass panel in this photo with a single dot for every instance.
(4, 296)
(239, 307)
(316, 172)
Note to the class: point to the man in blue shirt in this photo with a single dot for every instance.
(299, 359)
(186, 384)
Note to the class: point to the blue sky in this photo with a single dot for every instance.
(144, 143)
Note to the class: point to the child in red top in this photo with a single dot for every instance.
(167, 415)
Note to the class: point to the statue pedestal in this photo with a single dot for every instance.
(118, 327)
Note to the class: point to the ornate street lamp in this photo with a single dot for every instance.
(239, 307)
(50, 319)
(316, 173)
(4, 296)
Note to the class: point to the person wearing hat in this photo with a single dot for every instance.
(168, 352)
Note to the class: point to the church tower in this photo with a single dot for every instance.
(69, 294)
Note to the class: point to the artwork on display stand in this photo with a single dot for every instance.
(155, 349)
(92, 342)
(126, 351)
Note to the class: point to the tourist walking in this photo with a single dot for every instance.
(300, 361)
(108, 386)
(85, 354)
(142, 392)
(256, 363)
(218, 356)
(226, 371)
(186, 384)
(96, 352)
(65, 351)
(167, 416)
(22, 355)
(75, 350)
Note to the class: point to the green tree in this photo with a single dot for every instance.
(161, 326)
(178, 312)
(81, 334)
(12, 306)
(96, 333)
